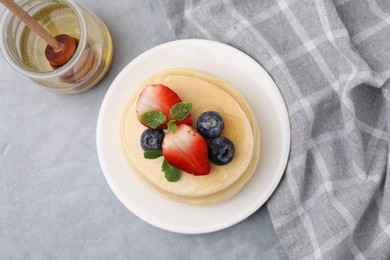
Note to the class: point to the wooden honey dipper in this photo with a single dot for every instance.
(59, 49)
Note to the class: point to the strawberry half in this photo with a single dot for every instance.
(187, 150)
(161, 98)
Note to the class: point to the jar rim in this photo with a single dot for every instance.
(7, 15)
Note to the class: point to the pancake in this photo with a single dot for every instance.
(206, 93)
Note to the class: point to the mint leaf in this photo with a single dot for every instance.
(153, 154)
(153, 118)
(172, 174)
(180, 110)
(172, 126)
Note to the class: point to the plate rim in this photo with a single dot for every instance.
(153, 220)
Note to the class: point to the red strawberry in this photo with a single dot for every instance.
(187, 150)
(161, 98)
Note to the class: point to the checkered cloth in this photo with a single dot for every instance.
(331, 61)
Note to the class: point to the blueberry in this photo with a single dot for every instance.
(221, 150)
(210, 124)
(152, 139)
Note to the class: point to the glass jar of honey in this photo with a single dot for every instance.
(24, 50)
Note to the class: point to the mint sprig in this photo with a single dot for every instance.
(172, 126)
(153, 118)
(180, 110)
(172, 174)
(153, 154)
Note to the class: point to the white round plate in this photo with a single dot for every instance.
(260, 91)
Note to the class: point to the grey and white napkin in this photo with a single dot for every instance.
(331, 62)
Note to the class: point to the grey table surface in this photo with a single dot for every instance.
(54, 200)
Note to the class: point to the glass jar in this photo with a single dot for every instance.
(24, 50)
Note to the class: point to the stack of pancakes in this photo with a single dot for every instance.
(206, 93)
